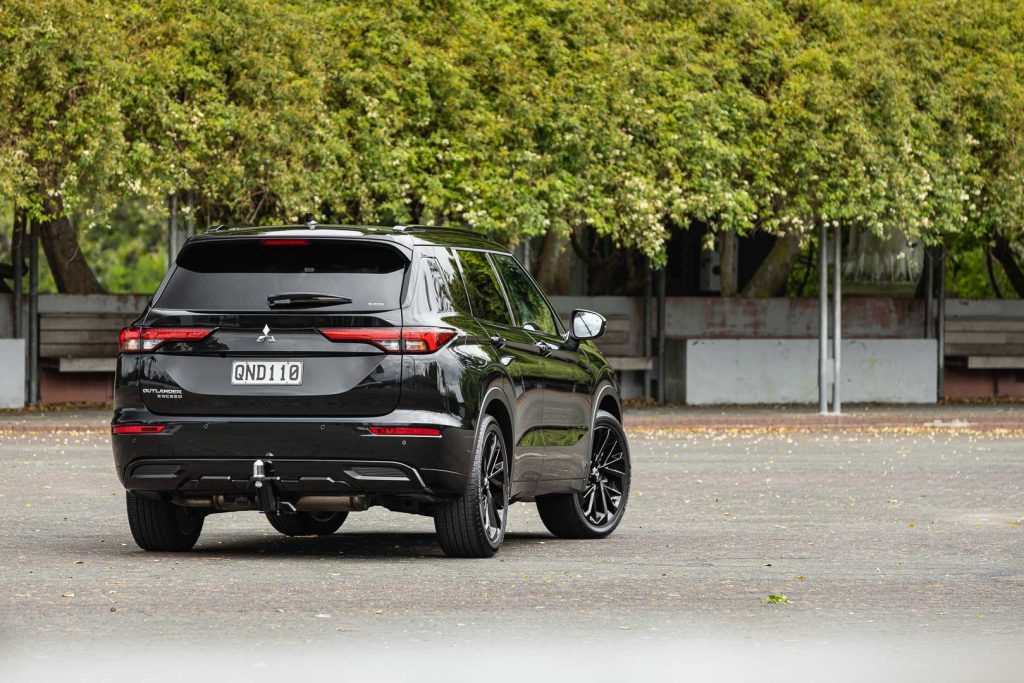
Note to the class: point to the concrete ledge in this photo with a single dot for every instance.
(87, 364)
(754, 371)
(12, 379)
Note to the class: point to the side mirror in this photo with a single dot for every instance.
(586, 325)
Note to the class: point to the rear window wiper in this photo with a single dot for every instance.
(305, 300)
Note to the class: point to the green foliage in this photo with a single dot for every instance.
(776, 600)
(515, 117)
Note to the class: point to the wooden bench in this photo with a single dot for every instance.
(80, 332)
(617, 345)
(987, 343)
(622, 343)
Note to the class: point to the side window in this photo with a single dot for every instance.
(440, 288)
(484, 291)
(530, 307)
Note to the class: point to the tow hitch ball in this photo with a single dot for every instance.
(266, 493)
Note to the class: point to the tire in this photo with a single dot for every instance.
(473, 525)
(162, 526)
(308, 523)
(580, 515)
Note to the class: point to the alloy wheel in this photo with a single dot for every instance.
(609, 470)
(493, 488)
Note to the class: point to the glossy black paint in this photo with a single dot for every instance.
(542, 391)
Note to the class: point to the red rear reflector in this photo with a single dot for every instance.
(149, 338)
(284, 243)
(393, 339)
(137, 429)
(405, 431)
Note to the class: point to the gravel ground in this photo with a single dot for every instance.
(900, 553)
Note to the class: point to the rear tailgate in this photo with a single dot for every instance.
(248, 358)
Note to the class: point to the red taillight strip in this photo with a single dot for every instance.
(134, 339)
(284, 242)
(405, 431)
(137, 429)
(393, 339)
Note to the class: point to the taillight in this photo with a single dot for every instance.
(393, 339)
(135, 339)
(284, 243)
(137, 429)
(405, 431)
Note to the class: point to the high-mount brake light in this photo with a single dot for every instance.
(405, 431)
(136, 339)
(137, 429)
(393, 339)
(279, 242)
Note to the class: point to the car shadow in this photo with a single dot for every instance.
(356, 545)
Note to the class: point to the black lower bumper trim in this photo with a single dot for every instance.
(209, 476)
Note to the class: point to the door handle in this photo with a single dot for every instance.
(546, 348)
(497, 340)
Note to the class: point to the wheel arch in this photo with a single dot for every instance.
(495, 403)
(606, 398)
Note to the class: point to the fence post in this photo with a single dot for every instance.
(837, 321)
(661, 335)
(823, 319)
(33, 314)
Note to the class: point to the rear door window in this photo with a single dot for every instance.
(239, 274)
(485, 293)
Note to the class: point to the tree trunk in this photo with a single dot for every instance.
(71, 272)
(547, 261)
(771, 276)
(1004, 254)
(729, 262)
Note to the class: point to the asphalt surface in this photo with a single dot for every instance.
(899, 552)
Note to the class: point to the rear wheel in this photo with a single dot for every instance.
(473, 525)
(161, 525)
(308, 523)
(596, 511)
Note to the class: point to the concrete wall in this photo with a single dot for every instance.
(12, 373)
(726, 371)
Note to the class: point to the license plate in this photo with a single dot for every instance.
(266, 372)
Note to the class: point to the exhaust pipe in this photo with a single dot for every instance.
(332, 503)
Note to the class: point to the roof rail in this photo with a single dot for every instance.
(416, 227)
(218, 228)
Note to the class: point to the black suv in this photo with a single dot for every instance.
(311, 371)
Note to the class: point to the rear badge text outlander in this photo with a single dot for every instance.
(163, 393)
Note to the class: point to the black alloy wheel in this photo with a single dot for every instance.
(473, 525)
(598, 509)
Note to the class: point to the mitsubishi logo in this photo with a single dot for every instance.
(266, 336)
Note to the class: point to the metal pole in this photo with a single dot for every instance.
(942, 323)
(33, 314)
(823, 320)
(837, 322)
(648, 309)
(18, 263)
(929, 294)
(18, 252)
(172, 227)
(661, 336)
(190, 220)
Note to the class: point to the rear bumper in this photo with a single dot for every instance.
(311, 456)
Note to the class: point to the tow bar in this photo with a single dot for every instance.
(265, 483)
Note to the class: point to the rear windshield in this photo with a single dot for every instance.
(239, 274)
